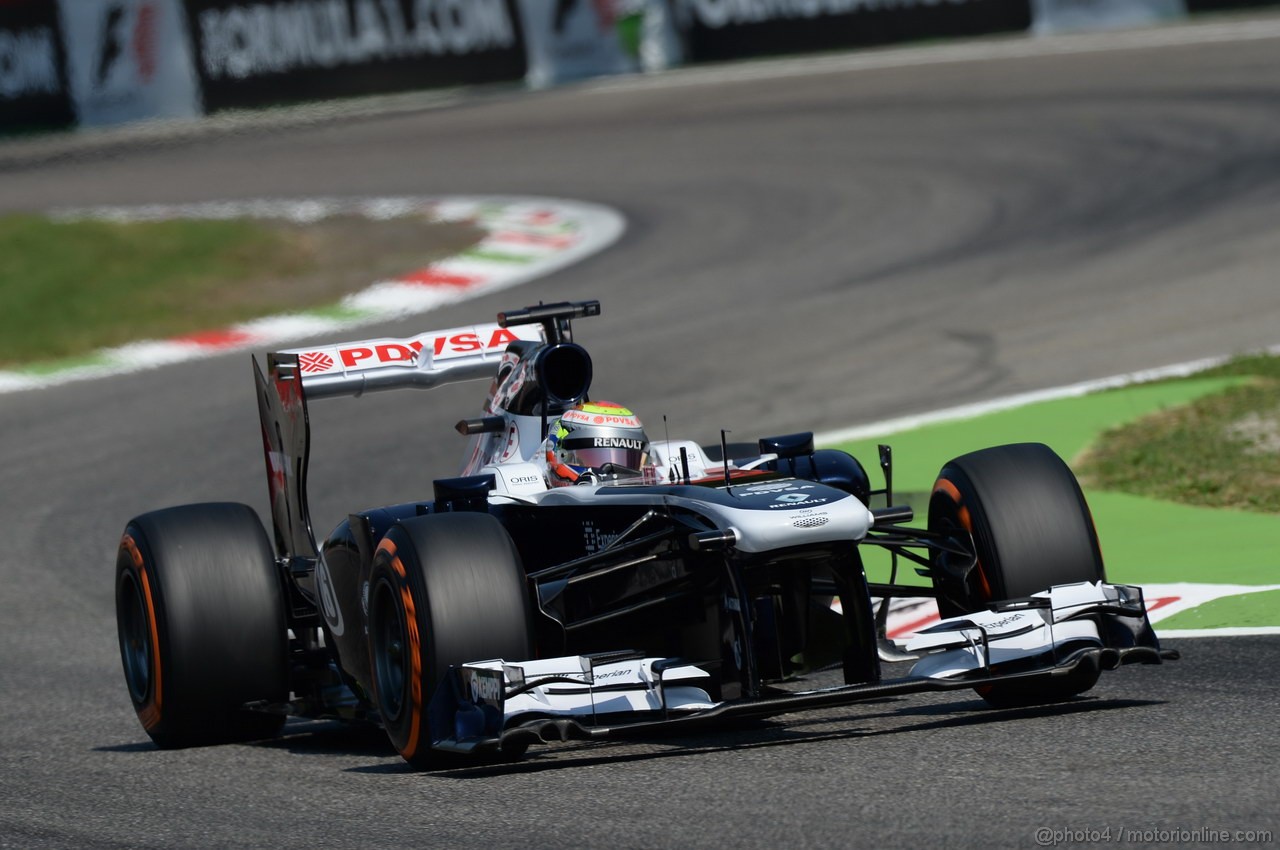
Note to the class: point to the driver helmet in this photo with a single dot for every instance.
(595, 441)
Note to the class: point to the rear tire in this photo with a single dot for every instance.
(200, 616)
(444, 589)
(1031, 530)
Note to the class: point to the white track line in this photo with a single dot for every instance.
(1241, 631)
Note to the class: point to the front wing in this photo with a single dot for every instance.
(489, 706)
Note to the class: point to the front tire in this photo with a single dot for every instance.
(444, 589)
(1031, 530)
(200, 616)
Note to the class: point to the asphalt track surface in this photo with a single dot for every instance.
(806, 252)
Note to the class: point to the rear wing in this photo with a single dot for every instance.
(293, 376)
(427, 360)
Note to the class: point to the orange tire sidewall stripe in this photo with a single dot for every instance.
(942, 485)
(149, 712)
(415, 648)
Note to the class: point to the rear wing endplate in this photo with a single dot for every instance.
(286, 437)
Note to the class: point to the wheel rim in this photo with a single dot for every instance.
(945, 515)
(135, 639)
(389, 640)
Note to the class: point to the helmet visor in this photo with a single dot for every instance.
(607, 454)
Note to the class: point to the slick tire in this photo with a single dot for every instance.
(444, 589)
(201, 621)
(1031, 530)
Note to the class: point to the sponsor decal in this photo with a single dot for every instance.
(375, 354)
(617, 443)
(315, 361)
(485, 686)
(588, 418)
(786, 494)
(253, 39)
(1012, 619)
(808, 518)
(594, 539)
(620, 673)
(790, 504)
(456, 345)
(776, 487)
(380, 355)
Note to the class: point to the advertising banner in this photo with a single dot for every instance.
(33, 89)
(1056, 16)
(128, 60)
(730, 29)
(264, 52)
(575, 39)
(1194, 6)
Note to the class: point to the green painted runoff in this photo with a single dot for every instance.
(1143, 540)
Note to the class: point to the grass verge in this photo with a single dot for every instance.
(71, 288)
(1219, 451)
(1249, 610)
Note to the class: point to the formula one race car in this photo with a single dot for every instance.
(581, 581)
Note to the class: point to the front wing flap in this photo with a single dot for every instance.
(488, 706)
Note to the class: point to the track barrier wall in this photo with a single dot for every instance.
(1056, 16)
(718, 30)
(267, 52)
(94, 62)
(33, 75)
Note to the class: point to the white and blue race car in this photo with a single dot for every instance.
(698, 584)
